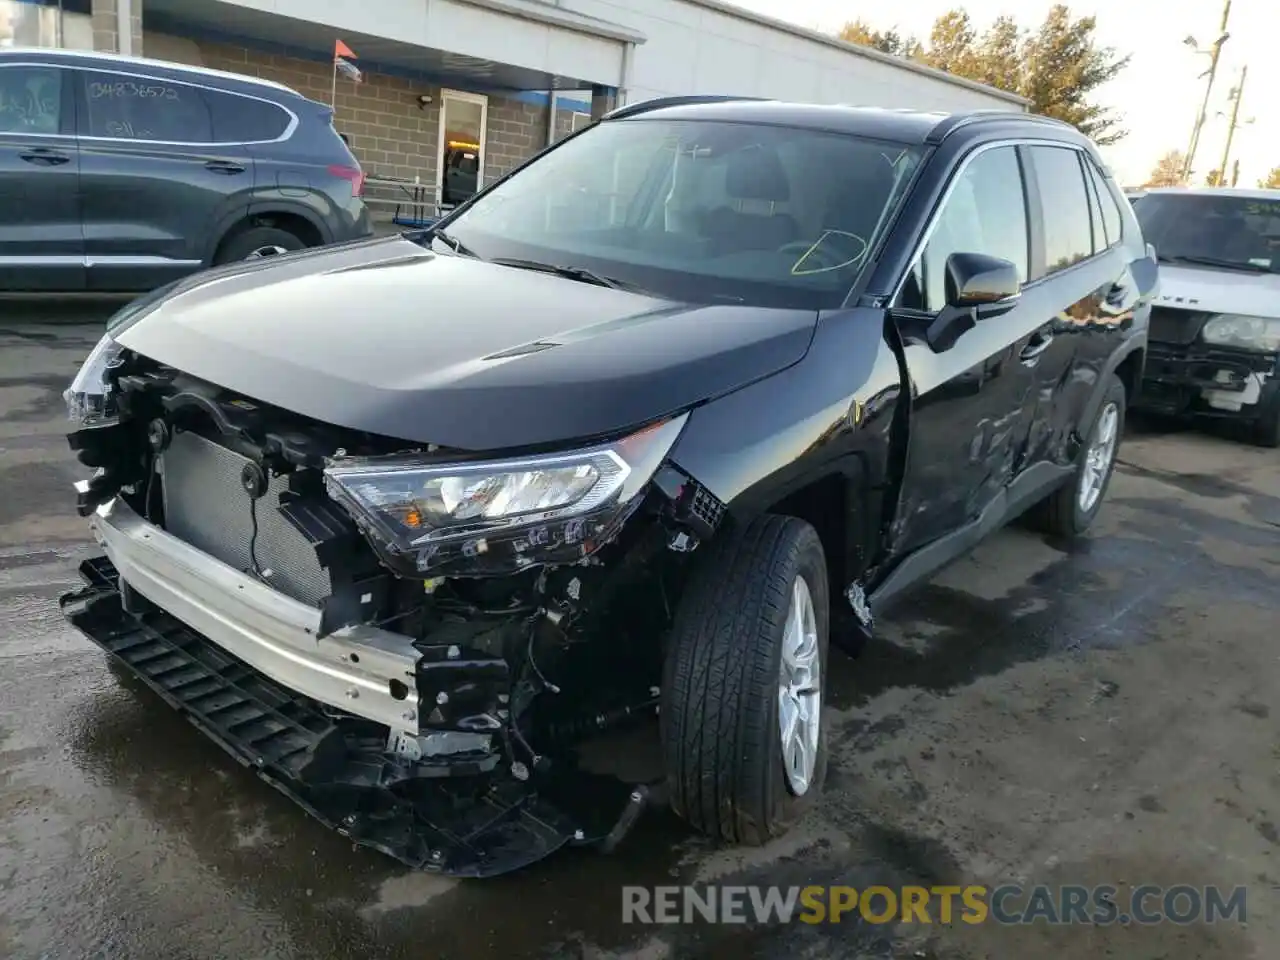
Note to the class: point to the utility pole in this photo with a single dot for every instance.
(1235, 173)
(1214, 52)
(1236, 96)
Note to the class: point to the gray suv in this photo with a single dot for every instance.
(122, 174)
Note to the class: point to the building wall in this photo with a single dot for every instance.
(700, 46)
(390, 131)
(105, 23)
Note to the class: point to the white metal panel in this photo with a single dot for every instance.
(694, 46)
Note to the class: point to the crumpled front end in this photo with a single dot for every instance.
(411, 643)
(1191, 372)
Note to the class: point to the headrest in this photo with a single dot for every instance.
(756, 174)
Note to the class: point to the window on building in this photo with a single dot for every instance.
(463, 117)
(127, 107)
(579, 120)
(239, 119)
(30, 99)
(986, 212)
(1068, 231)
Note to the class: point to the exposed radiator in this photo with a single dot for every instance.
(206, 506)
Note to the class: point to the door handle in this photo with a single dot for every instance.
(1037, 345)
(45, 156)
(224, 166)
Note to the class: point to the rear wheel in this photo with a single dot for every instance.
(1069, 510)
(257, 243)
(743, 683)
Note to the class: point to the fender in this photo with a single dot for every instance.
(263, 208)
(828, 416)
(1126, 349)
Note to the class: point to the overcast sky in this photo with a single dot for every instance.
(1159, 93)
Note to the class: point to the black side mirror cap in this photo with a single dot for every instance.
(978, 286)
(977, 280)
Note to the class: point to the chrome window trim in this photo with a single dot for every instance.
(289, 129)
(960, 171)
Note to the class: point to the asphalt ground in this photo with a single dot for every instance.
(1101, 713)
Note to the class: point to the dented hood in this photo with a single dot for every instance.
(1219, 291)
(387, 337)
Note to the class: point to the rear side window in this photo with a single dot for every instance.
(1068, 228)
(30, 99)
(985, 212)
(1111, 217)
(125, 107)
(238, 119)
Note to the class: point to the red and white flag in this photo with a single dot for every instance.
(342, 61)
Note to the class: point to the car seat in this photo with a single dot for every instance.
(755, 184)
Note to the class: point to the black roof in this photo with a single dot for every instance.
(915, 127)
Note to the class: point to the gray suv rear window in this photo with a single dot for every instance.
(239, 119)
(142, 108)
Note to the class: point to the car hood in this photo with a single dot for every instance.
(387, 337)
(1219, 291)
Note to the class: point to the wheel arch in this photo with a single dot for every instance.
(296, 218)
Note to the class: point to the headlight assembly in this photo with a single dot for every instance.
(499, 515)
(1250, 333)
(90, 402)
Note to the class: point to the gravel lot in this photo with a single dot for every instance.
(1105, 713)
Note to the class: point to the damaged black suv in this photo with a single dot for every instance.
(640, 427)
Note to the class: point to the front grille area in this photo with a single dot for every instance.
(1170, 325)
(206, 506)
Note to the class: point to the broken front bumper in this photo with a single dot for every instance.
(1208, 381)
(236, 658)
(361, 670)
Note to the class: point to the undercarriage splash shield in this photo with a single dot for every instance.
(336, 768)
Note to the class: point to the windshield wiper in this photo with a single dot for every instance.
(1216, 262)
(453, 243)
(581, 274)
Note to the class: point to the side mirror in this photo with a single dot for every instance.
(983, 282)
(977, 287)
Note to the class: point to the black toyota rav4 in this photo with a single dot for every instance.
(401, 522)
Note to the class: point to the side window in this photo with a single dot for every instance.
(239, 119)
(1067, 226)
(1111, 217)
(30, 99)
(986, 212)
(138, 108)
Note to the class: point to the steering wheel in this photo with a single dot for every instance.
(817, 256)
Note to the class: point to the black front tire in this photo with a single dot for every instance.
(1266, 429)
(1061, 514)
(719, 714)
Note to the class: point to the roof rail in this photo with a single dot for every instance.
(956, 121)
(633, 109)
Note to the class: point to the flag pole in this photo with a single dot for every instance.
(333, 92)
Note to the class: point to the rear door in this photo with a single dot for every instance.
(155, 182)
(1085, 291)
(41, 246)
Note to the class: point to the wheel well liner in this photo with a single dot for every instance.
(824, 504)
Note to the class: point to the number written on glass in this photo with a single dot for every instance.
(127, 88)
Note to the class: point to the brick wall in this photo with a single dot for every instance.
(106, 36)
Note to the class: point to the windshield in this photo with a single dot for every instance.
(1239, 232)
(699, 211)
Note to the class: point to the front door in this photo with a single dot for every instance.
(41, 246)
(154, 182)
(967, 400)
(460, 159)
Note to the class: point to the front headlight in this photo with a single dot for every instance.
(90, 399)
(1251, 333)
(494, 516)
